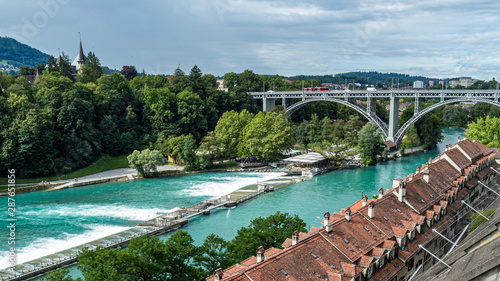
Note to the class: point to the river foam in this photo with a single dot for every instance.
(49, 245)
(228, 184)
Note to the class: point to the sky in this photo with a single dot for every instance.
(433, 38)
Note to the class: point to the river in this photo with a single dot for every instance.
(53, 221)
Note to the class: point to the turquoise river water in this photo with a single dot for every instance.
(49, 222)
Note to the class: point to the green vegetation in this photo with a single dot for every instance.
(105, 163)
(477, 219)
(369, 143)
(145, 162)
(486, 131)
(18, 54)
(177, 258)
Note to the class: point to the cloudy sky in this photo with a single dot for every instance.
(436, 38)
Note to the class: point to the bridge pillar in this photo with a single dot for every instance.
(393, 118)
(268, 104)
(283, 101)
(417, 105)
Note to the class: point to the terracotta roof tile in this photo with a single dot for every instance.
(429, 214)
(436, 208)
(418, 219)
(378, 252)
(421, 195)
(399, 231)
(458, 158)
(365, 261)
(388, 244)
(354, 238)
(409, 225)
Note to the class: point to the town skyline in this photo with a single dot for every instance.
(436, 39)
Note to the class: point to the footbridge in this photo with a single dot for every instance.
(294, 100)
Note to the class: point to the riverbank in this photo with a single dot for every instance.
(57, 220)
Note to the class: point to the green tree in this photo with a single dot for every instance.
(24, 70)
(369, 142)
(145, 162)
(229, 129)
(315, 129)
(486, 131)
(301, 133)
(268, 232)
(430, 127)
(266, 136)
(60, 275)
(190, 108)
(196, 82)
(144, 259)
(129, 71)
(163, 106)
(451, 116)
(188, 152)
(91, 70)
(214, 254)
(63, 66)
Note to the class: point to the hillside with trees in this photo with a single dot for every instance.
(19, 54)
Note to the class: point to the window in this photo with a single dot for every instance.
(410, 264)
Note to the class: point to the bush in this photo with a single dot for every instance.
(477, 220)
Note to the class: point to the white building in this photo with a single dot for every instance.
(418, 85)
(466, 81)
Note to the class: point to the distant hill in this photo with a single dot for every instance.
(13, 51)
(371, 77)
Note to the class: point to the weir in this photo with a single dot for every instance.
(156, 226)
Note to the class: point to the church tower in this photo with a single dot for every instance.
(80, 58)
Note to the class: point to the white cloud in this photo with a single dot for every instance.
(434, 38)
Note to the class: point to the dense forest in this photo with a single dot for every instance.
(19, 54)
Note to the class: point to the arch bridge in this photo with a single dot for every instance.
(388, 131)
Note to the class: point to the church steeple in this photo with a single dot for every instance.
(81, 56)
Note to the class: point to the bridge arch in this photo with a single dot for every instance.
(398, 136)
(371, 117)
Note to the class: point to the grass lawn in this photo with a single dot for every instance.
(105, 163)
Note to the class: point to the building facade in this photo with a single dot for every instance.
(379, 238)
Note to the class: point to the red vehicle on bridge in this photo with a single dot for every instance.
(316, 89)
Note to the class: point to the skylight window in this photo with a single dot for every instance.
(345, 240)
(284, 272)
(385, 218)
(314, 255)
(366, 228)
(399, 210)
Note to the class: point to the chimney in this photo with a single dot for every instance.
(260, 254)
(365, 200)
(326, 219)
(348, 214)
(430, 160)
(371, 211)
(218, 274)
(426, 176)
(295, 238)
(326, 222)
(395, 182)
(474, 139)
(417, 170)
(459, 138)
(402, 191)
(380, 193)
